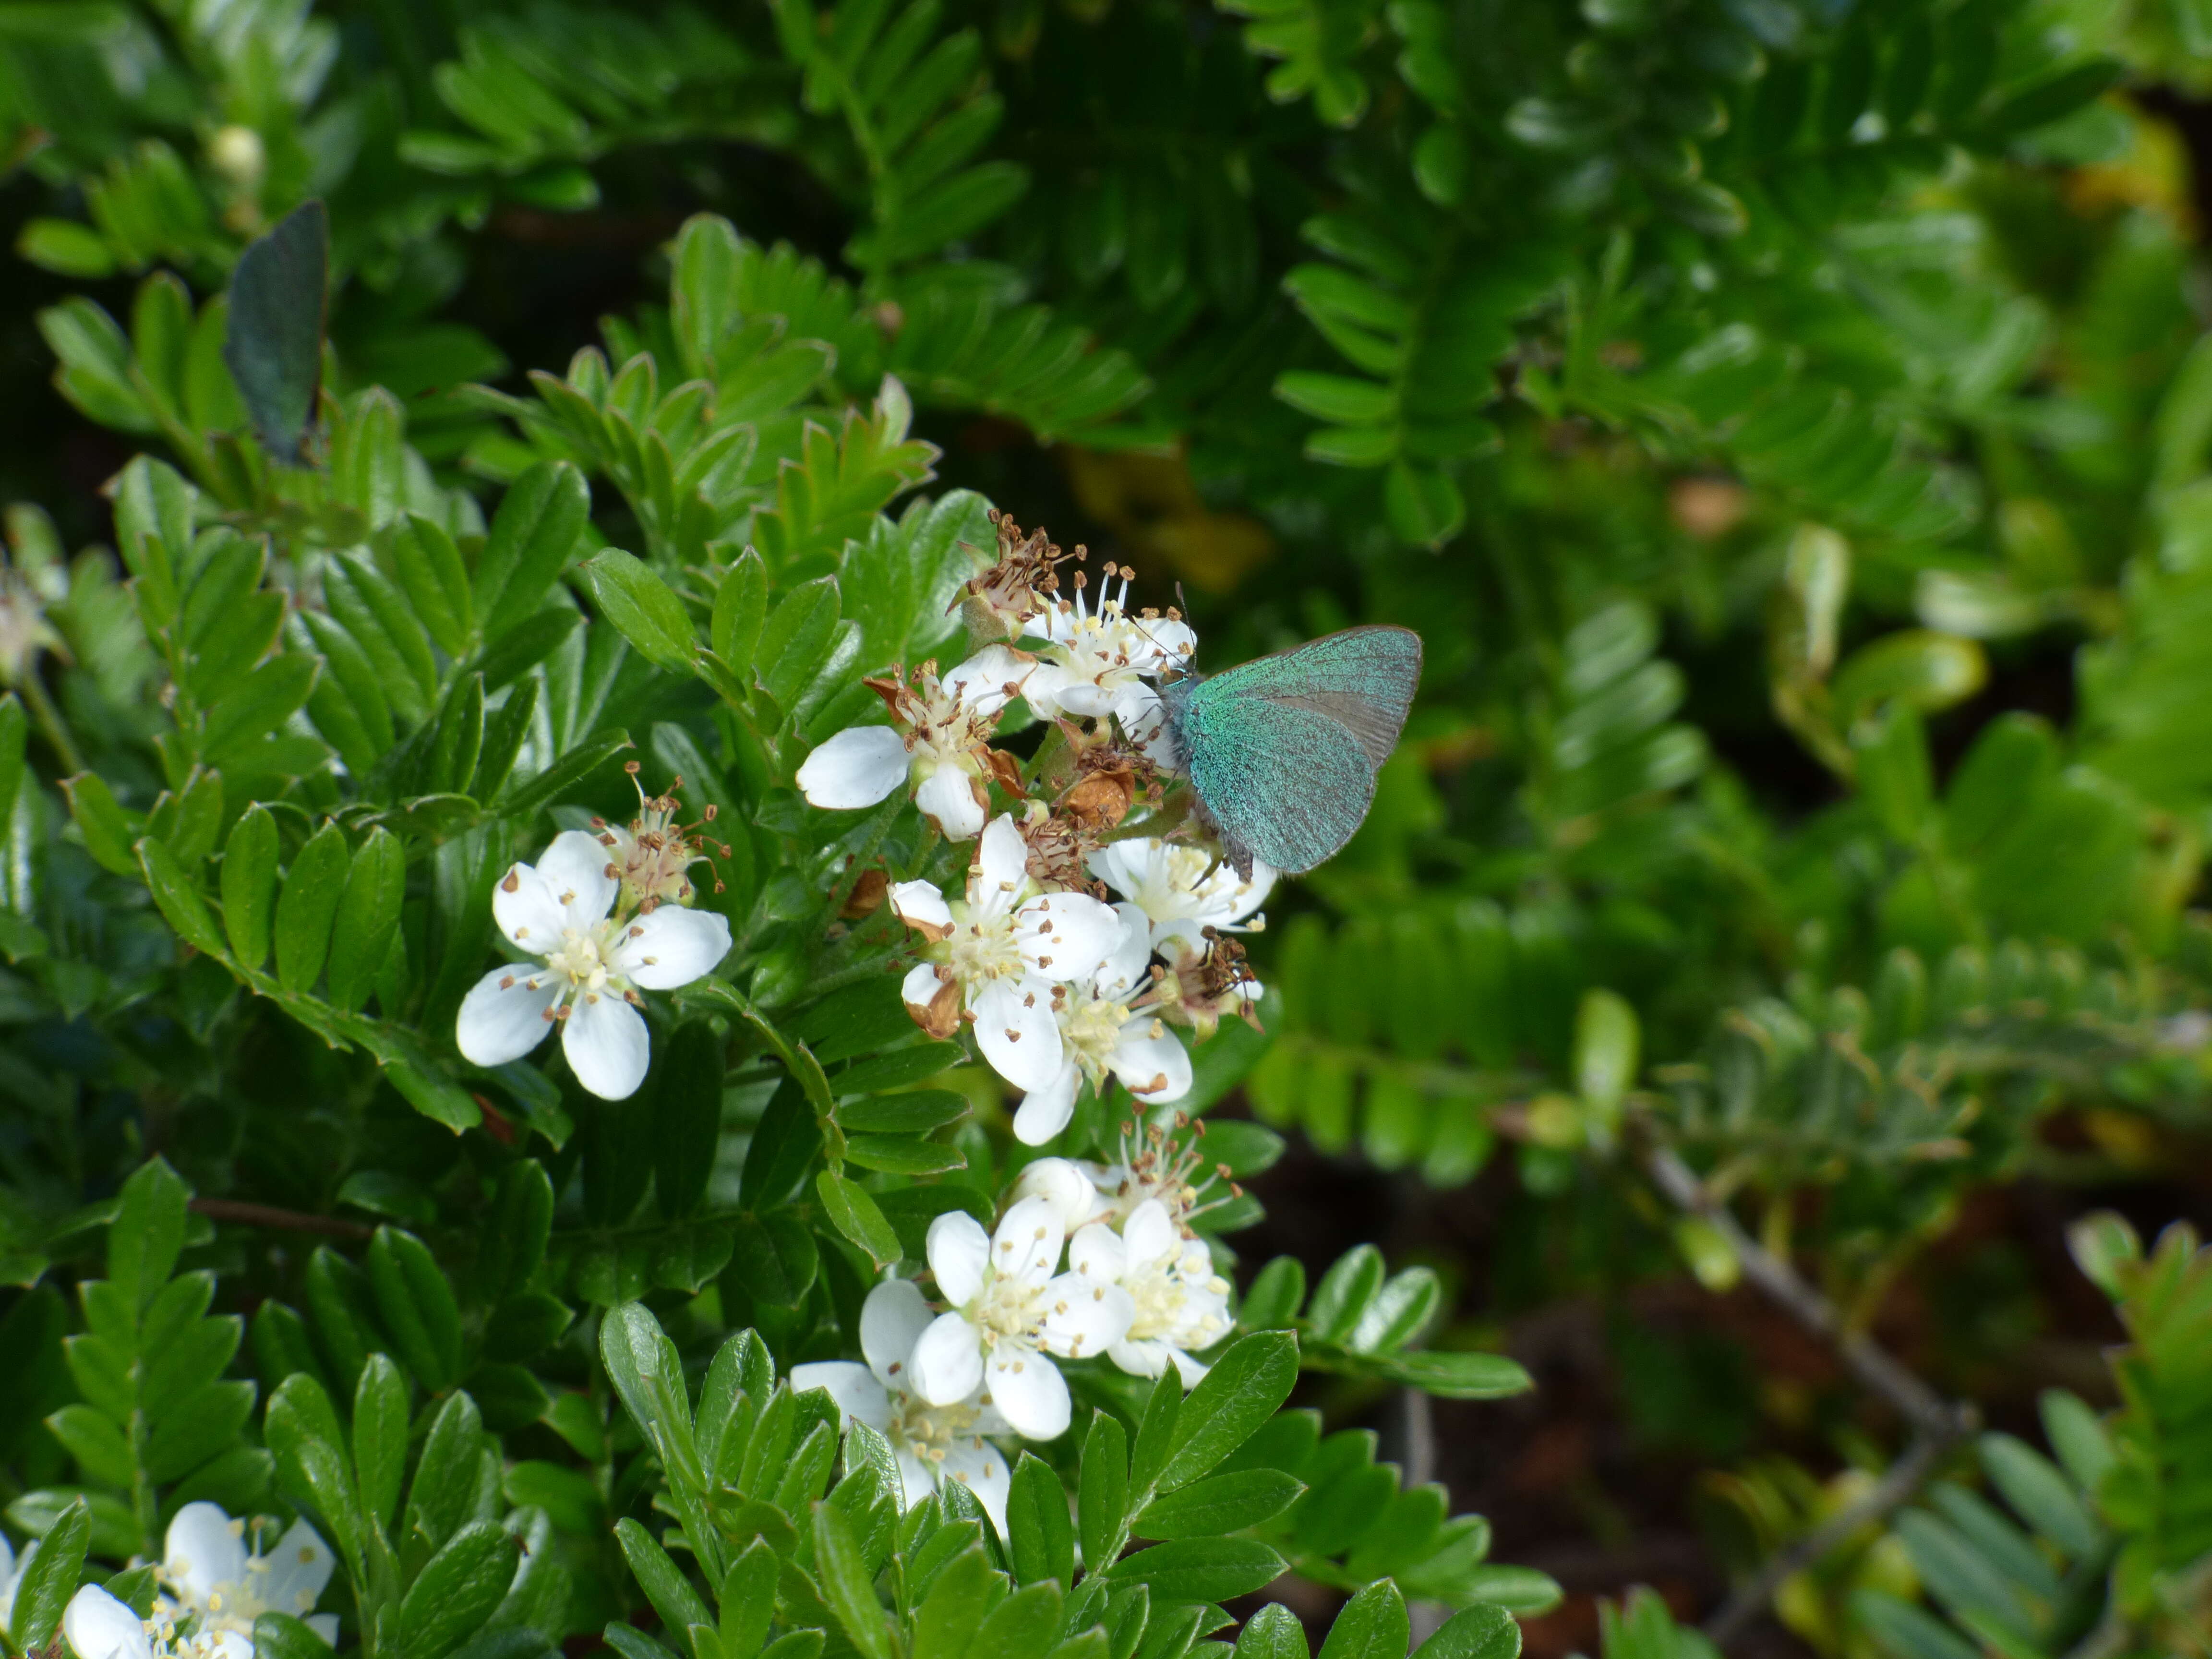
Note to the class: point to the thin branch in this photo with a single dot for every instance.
(1928, 1411)
(240, 1214)
(1938, 1424)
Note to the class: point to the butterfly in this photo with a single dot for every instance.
(1283, 751)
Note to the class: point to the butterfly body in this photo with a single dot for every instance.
(1283, 751)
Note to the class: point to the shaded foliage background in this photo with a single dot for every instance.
(1787, 425)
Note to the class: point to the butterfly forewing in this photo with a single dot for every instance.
(1284, 751)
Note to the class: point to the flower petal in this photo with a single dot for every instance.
(933, 1004)
(1100, 1253)
(922, 907)
(527, 910)
(605, 1042)
(981, 683)
(1142, 1356)
(856, 768)
(1192, 1371)
(949, 796)
(1044, 1112)
(11, 1577)
(975, 1463)
(1017, 1033)
(859, 1395)
(1126, 965)
(1025, 1246)
(671, 947)
(1001, 868)
(1063, 1181)
(300, 1566)
(1029, 1391)
(1067, 935)
(947, 1363)
(892, 1320)
(917, 1479)
(1150, 1235)
(503, 1015)
(99, 1626)
(1086, 1315)
(324, 1625)
(1151, 1063)
(200, 1553)
(958, 1249)
(575, 870)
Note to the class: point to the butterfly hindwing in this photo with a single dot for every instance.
(1286, 785)
(1284, 751)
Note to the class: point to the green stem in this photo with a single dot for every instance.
(51, 722)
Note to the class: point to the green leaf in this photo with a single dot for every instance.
(418, 1307)
(540, 522)
(44, 1587)
(848, 1586)
(1476, 1632)
(458, 1589)
(740, 608)
(1373, 1625)
(1102, 1492)
(249, 885)
(273, 339)
(1606, 1042)
(643, 609)
(748, 1600)
(431, 574)
(1220, 1504)
(308, 906)
(148, 1233)
(282, 1635)
(854, 1214)
(1242, 1391)
(1022, 1625)
(380, 1439)
(1274, 1632)
(368, 920)
(1277, 1294)
(1344, 1293)
(649, 1373)
(1201, 1570)
(1458, 1376)
(662, 1580)
(1040, 1535)
(109, 833)
(796, 638)
(179, 898)
(687, 1116)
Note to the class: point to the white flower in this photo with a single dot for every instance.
(1010, 1313)
(1065, 1184)
(932, 1444)
(1180, 1302)
(1101, 1032)
(1100, 660)
(999, 952)
(945, 747)
(216, 1587)
(98, 1626)
(209, 1571)
(1182, 891)
(592, 968)
(11, 1574)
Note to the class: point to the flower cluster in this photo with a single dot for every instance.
(1138, 1287)
(603, 913)
(1061, 986)
(213, 1587)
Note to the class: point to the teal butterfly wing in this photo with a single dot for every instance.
(1283, 751)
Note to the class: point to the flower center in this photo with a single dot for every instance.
(1006, 1310)
(983, 948)
(1160, 1297)
(581, 958)
(1091, 1025)
(929, 1431)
